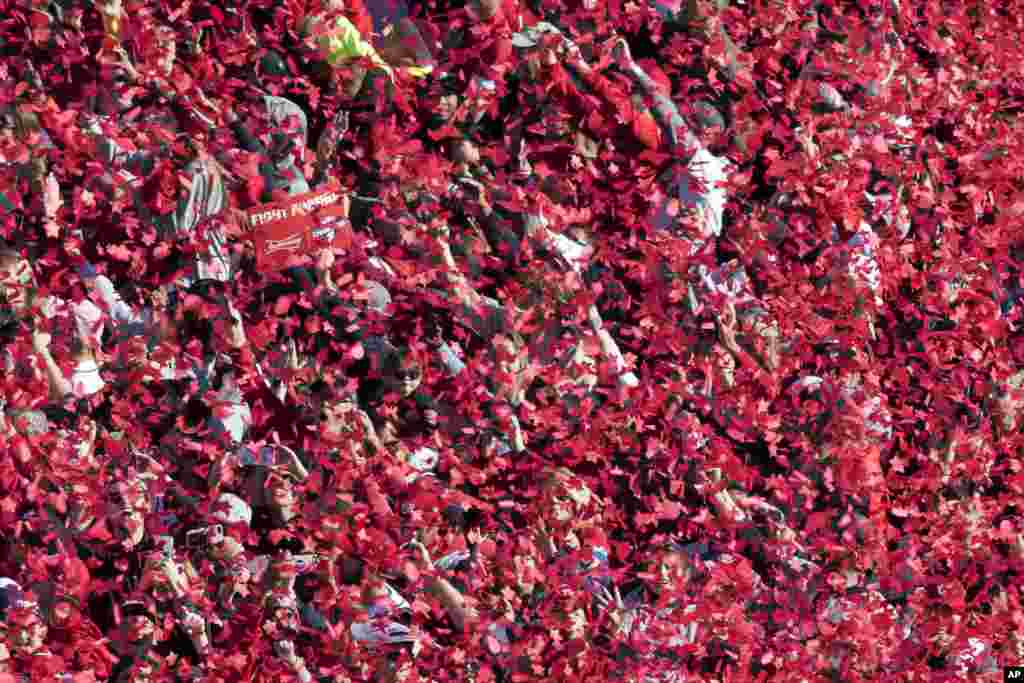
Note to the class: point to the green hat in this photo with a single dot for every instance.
(273, 64)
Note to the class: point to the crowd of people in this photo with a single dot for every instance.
(659, 341)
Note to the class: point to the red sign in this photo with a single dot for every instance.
(288, 232)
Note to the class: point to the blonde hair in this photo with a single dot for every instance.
(26, 123)
(561, 479)
(26, 126)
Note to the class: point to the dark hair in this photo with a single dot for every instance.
(137, 609)
(9, 254)
(351, 570)
(67, 415)
(396, 358)
(196, 326)
(220, 372)
(196, 413)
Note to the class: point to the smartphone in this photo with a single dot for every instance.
(201, 539)
(196, 539)
(166, 546)
(264, 456)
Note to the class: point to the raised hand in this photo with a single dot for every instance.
(609, 600)
(41, 341)
(727, 327)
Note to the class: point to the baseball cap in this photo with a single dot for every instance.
(532, 35)
(230, 509)
(87, 271)
(273, 64)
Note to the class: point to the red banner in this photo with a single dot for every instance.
(287, 233)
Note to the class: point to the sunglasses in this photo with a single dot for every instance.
(275, 480)
(408, 374)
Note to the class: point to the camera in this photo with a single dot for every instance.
(201, 539)
(263, 456)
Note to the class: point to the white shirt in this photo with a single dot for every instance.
(706, 194)
(86, 379)
(111, 302)
(87, 316)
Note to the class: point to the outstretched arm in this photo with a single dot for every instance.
(664, 109)
(59, 384)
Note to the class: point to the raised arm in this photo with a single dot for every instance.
(664, 109)
(59, 384)
(454, 602)
(110, 152)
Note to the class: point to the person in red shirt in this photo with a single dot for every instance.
(27, 634)
(76, 639)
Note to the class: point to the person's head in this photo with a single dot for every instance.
(464, 152)
(29, 131)
(486, 9)
(403, 372)
(338, 416)
(672, 567)
(270, 74)
(711, 127)
(65, 610)
(999, 599)
(15, 279)
(446, 103)
(224, 547)
(569, 612)
(280, 486)
(1005, 404)
(526, 575)
(73, 443)
(128, 504)
(538, 47)
(138, 623)
(161, 50)
(565, 499)
(282, 614)
(26, 626)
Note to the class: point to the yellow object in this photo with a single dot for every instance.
(343, 43)
(420, 71)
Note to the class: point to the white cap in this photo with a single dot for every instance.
(230, 509)
(389, 633)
